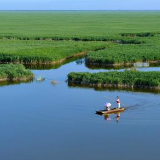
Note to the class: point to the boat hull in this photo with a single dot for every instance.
(114, 110)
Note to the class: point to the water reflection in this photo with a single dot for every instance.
(141, 64)
(142, 90)
(108, 117)
(118, 117)
(7, 83)
(42, 122)
(79, 61)
(96, 67)
(137, 65)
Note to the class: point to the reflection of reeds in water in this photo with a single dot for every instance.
(114, 88)
(106, 66)
(52, 66)
(8, 83)
(99, 66)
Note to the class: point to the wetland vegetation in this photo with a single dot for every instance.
(126, 54)
(106, 38)
(126, 79)
(118, 40)
(14, 72)
(44, 52)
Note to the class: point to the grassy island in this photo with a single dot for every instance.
(126, 79)
(14, 72)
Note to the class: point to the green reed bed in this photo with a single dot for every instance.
(148, 51)
(42, 52)
(14, 72)
(126, 79)
(39, 25)
(47, 37)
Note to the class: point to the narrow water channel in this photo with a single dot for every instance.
(42, 121)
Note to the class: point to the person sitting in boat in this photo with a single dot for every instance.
(107, 106)
(118, 102)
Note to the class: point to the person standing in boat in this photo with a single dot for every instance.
(118, 102)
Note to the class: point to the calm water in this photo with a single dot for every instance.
(41, 121)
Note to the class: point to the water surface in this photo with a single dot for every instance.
(40, 121)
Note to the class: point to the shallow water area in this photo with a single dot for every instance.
(42, 121)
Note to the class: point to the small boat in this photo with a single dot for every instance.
(114, 110)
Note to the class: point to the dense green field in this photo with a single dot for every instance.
(32, 51)
(45, 37)
(76, 24)
(147, 51)
(127, 79)
(14, 72)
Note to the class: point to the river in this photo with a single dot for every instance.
(42, 121)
